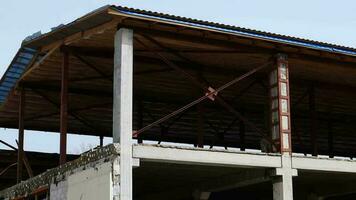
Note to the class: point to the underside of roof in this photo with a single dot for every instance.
(102, 15)
(216, 53)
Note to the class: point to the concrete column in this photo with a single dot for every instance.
(283, 179)
(122, 107)
(280, 105)
(281, 128)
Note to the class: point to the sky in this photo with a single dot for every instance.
(321, 20)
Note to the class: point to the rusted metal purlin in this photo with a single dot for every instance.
(7, 168)
(34, 117)
(104, 75)
(70, 112)
(64, 109)
(24, 158)
(8, 145)
(211, 93)
(20, 153)
(182, 109)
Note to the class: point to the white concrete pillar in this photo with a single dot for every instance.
(283, 179)
(122, 107)
(283, 187)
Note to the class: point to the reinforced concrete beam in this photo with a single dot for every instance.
(324, 164)
(193, 156)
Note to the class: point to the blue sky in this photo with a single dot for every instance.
(327, 21)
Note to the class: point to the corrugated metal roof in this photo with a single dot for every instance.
(239, 31)
(17, 67)
(25, 54)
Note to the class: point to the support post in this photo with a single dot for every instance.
(330, 139)
(313, 121)
(122, 110)
(101, 138)
(64, 109)
(242, 131)
(280, 105)
(140, 119)
(20, 151)
(281, 128)
(200, 126)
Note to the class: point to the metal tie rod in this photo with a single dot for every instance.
(234, 81)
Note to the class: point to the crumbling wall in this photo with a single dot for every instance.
(87, 177)
(89, 184)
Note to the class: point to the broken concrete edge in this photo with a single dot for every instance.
(55, 175)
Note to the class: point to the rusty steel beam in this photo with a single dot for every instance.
(212, 94)
(26, 162)
(24, 157)
(93, 67)
(64, 109)
(7, 168)
(70, 112)
(8, 145)
(204, 97)
(71, 90)
(20, 153)
(101, 139)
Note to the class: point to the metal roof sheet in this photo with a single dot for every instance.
(25, 54)
(239, 31)
(17, 67)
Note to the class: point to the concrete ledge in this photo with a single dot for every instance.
(195, 156)
(324, 164)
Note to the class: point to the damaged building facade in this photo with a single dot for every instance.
(196, 110)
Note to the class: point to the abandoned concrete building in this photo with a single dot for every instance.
(196, 110)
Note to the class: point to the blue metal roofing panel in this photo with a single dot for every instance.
(17, 67)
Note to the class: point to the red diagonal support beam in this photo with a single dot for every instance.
(211, 93)
(182, 109)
